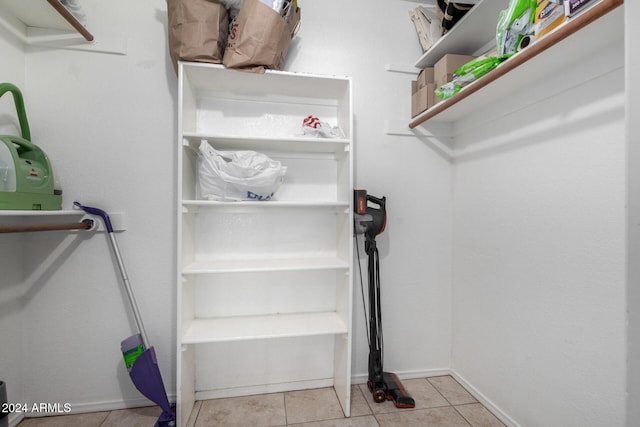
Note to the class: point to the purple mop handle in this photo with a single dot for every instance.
(99, 212)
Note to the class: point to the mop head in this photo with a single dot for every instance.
(146, 376)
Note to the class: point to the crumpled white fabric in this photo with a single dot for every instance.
(312, 126)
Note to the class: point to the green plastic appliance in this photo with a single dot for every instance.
(26, 178)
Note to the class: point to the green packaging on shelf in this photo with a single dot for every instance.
(516, 26)
(469, 73)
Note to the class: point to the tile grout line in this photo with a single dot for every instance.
(438, 390)
(451, 404)
(284, 404)
(195, 420)
(367, 401)
(462, 415)
(105, 419)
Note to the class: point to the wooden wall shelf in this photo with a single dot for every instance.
(577, 38)
(21, 16)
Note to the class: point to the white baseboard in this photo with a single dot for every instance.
(493, 408)
(114, 405)
(103, 406)
(14, 419)
(262, 389)
(405, 375)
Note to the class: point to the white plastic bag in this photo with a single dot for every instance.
(237, 175)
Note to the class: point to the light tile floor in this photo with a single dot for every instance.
(440, 402)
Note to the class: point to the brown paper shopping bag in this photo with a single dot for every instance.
(197, 30)
(260, 37)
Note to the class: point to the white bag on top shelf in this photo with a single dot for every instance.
(237, 175)
(312, 126)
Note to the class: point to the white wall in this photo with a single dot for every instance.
(538, 294)
(108, 123)
(13, 72)
(359, 39)
(633, 219)
(539, 252)
(12, 331)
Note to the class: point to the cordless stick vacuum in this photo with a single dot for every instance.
(371, 221)
(139, 357)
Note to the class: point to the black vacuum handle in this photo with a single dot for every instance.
(379, 216)
(380, 202)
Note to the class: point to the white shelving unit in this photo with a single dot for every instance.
(264, 289)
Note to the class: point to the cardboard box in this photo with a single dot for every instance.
(431, 94)
(548, 16)
(425, 77)
(423, 98)
(444, 68)
(415, 100)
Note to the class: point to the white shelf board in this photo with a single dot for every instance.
(243, 328)
(297, 143)
(244, 139)
(202, 77)
(474, 31)
(37, 23)
(36, 13)
(192, 206)
(47, 19)
(267, 264)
